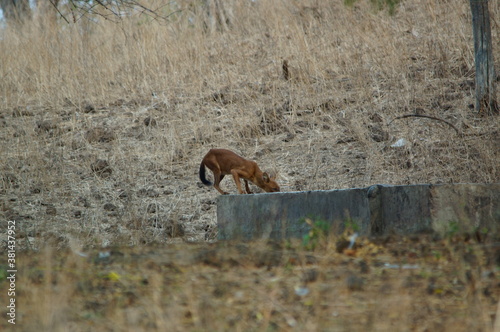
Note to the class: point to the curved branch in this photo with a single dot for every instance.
(427, 117)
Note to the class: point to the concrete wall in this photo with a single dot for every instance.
(378, 209)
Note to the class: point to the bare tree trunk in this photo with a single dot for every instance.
(486, 103)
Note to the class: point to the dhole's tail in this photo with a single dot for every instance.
(202, 175)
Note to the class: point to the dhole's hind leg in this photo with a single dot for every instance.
(218, 176)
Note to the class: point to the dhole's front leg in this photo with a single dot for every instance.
(247, 188)
(236, 178)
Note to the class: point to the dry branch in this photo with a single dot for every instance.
(427, 117)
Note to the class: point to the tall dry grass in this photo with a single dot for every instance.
(261, 286)
(48, 63)
(74, 93)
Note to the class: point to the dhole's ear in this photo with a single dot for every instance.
(265, 177)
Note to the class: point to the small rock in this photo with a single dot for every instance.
(109, 207)
(363, 267)
(51, 210)
(101, 168)
(89, 108)
(377, 133)
(149, 192)
(301, 290)
(151, 208)
(209, 257)
(354, 283)
(341, 244)
(268, 257)
(10, 180)
(20, 111)
(399, 143)
(174, 229)
(83, 202)
(45, 125)
(35, 189)
(99, 135)
(150, 121)
(310, 275)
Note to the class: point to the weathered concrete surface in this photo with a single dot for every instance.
(377, 209)
(399, 209)
(281, 215)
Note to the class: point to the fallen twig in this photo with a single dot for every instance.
(428, 117)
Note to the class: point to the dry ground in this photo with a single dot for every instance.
(391, 284)
(103, 125)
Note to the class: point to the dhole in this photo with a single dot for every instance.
(224, 162)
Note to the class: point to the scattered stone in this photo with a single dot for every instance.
(50, 210)
(346, 139)
(363, 267)
(301, 290)
(151, 208)
(207, 204)
(268, 258)
(210, 233)
(10, 180)
(150, 121)
(82, 201)
(399, 143)
(88, 108)
(21, 111)
(45, 125)
(148, 192)
(118, 102)
(342, 244)
(101, 168)
(289, 137)
(376, 118)
(19, 132)
(377, 133)
(110, 207)
(310, 275)
(209, 257)
(354, 283)
(174, 229)
(99, 135)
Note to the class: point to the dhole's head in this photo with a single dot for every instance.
(269, 184)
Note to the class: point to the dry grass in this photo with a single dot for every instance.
(76, 93)
(411, 284)
(77, 97)
(72, 94)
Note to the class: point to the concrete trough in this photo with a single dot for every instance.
(375, 210)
